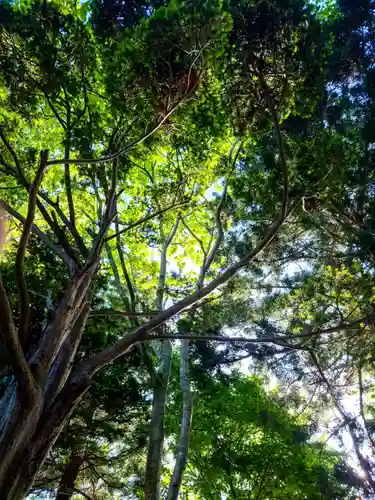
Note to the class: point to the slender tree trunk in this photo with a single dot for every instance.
(155, 449)
(161, 379)
(69, 477)
(187, 412)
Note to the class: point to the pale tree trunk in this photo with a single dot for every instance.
(187, 413)
(156, 439)
(161, 379)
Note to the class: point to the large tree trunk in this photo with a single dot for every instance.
(69, 477)
(19, 476)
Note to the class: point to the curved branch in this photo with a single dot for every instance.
(219, 227)
(114, 156)
(143, 220)
(20, 256)
(42, 236)
(8, 333)
(12, 153)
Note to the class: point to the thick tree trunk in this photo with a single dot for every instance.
(19, 420)
(155, 449)
(69, 477)
(187, 412)
(20, 474)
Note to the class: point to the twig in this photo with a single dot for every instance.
(143, 220)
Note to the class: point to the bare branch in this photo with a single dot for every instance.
(114, 156)
(200, 242)
(42, 236)
(125, 314)
(143, 220)
(123, 266)
(57, 231)
(68, 183)
(208, 260)
(163, 264)
(73, 230)
(12, 153)
(20, 257)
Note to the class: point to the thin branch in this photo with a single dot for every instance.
(114, 156)
(163, 263)
(68, 180)
(123, 266)
(219, 227)
(57, 231)
(200, 242)
(12, 153)
(83, 494)
(42, 236)
(125, 314)
(20, 257)
(280, 143)
(8, 333)
(143, 220)
(208, 338)
(362, 408)
(73, 230)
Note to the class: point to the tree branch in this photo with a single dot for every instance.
(12, 153)
(83, 494)
(163, 265)
(57, 231)
(123, 267)
(362, 408)
(114, 156)
(68, 183)
(42, 236)
(200, 242)
(143, 220)
(73, 230)
(20, 256)
(8, 333)
(125, 314)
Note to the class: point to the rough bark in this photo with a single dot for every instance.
(16, 482)
(69, 477)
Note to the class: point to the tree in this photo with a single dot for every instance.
(253, 448)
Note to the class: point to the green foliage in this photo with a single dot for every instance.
(245, 445)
